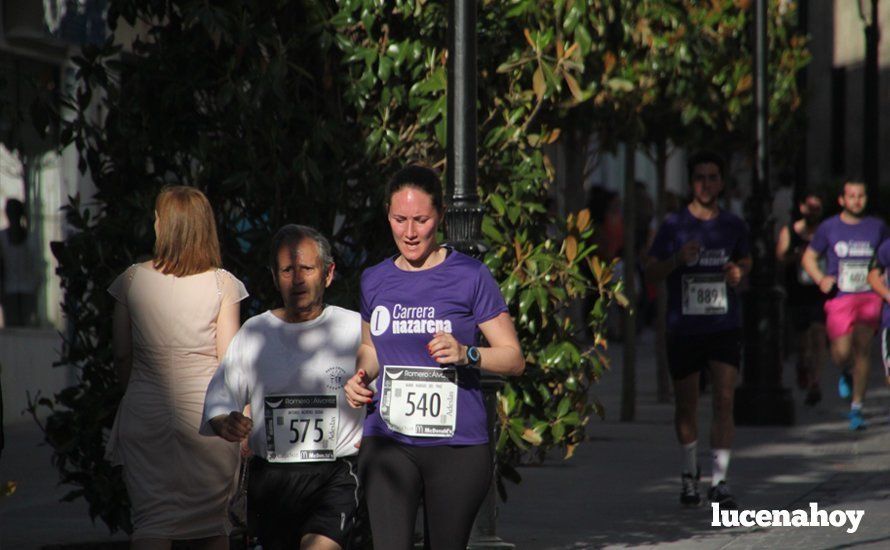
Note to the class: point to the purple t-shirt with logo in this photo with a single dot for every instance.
(848, 249)
(406, 308)
(699, 301)
(882, 261)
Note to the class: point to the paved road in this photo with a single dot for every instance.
(620, 489)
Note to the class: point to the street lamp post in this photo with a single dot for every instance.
(761, 400)
(463, 216)
(464, 213)
(871, 102)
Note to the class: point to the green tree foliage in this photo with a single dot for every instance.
(394, 57)
(234, 98)
(664, 70)
(283, 112)
(288, 111)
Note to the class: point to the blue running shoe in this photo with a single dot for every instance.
(857, 422)
(845, 386)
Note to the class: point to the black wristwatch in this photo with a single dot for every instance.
(473, 356)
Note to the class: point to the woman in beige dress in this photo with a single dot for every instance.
(174, 318)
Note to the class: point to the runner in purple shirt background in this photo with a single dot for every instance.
(703, 253)
(425, 433)
(848, 241)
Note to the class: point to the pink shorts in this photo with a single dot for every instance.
(842, 312)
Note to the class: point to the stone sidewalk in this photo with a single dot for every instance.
(33, 517)
(620, 489)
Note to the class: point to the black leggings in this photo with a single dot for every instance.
(453, 482)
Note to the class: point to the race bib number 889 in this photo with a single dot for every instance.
(704, 294)
(419, 401)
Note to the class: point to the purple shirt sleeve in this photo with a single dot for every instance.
(488, 302)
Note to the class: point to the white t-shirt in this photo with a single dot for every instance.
(293, 367)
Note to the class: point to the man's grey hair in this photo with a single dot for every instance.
(291, 234)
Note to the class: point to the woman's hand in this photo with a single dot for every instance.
(446, 350)
(357, 392)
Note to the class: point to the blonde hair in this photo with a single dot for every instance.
(186, 241)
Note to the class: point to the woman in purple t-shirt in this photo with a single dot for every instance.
(425, 433)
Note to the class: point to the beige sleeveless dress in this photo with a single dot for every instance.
(179, 482)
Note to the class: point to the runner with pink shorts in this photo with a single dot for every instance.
(853, 311)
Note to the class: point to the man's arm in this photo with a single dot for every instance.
(227, 395)
(810, 264)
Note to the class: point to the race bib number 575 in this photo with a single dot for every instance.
(301, 428)
(419, 401)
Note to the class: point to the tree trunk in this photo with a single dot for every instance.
(871, 106)
(628, 366)
(663, 382)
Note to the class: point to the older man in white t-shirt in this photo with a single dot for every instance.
(289, 364)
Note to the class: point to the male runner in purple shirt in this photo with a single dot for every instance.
(703, 253)
(852, 312)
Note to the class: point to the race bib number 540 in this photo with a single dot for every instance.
(301, 428)
(419, 401)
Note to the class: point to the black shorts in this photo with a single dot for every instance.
(292, 500)
(688, 354)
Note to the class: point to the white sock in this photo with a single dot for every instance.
(855, 406)
(720, 459)
(690, 458)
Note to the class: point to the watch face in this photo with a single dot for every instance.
(473, 354)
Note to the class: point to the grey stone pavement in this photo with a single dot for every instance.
(619, 490)
(621, 487)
